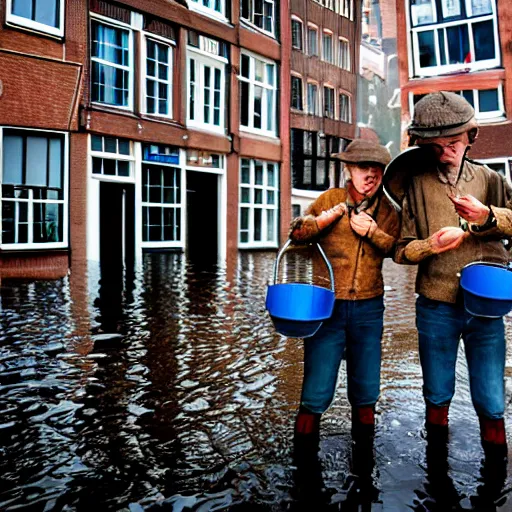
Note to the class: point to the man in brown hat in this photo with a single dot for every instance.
(357, 227)
(454, 212)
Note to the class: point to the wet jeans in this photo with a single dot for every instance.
(355, 325)
(440, 327)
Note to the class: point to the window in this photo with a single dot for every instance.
(112, 157)
(258, 203)
(343, 7)
(296, 211)
(327, 53)
(312, 165)
(158, 78)
(488, 103)
(41, 15)
(453, 35)
(258, 106)
(259, 13)
(111, 57)
(296, 34)
(312, 40)
(206, 85)
(329, 102)
(344, 54)
(162, 202)
(214, 8)
(297, 92)
(313, 99)
(34, 189)
(345, 110)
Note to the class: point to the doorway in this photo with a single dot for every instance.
(202, 216)
(117, 225)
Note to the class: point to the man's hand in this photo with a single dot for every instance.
(329, 216)
(446, 239)
(470, 209)
(363, 224)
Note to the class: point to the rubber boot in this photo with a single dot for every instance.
(494, 466)
(363, 433)
(308, 473)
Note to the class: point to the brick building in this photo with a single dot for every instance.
(324, 67)
(131, 126)
(463, 46)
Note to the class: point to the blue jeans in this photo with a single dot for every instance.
(355, 325)
(440, 327)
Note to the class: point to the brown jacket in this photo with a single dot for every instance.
(356, 260)
(427, 209)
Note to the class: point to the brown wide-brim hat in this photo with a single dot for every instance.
(360, 150)
(399, 172)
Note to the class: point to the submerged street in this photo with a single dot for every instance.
(170, 390)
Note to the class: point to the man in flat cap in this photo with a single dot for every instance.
(357, 227)
(455, 212)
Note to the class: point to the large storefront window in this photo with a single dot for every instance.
(34, 189)
(258, 203)
(453, 35)
(162, 199)
(312, 165)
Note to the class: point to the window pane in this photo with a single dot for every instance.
(483, 34)
(480, 7)
(47, 12)
(259, 69)
(96, 143)
(451, 8)
(427, 50)
(55, 163)
(270, 197)
(270, 74)
(458, 44)
(245, 66)
(245, 195)
(258, 196)
(258, 97)
(124, 147)
(468, 95)
(422, 12)
(488, 100)
(23, 8)
(257, 224)
(271, 175)
(123, 168)
(97, 165)
(244, 220)
(312, 42)
(37, 158)
(270, 225)
(13, 160)
(258, 173)
(48, 222)
(8, 222)
(246, 171)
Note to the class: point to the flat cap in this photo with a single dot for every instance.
(360, 150)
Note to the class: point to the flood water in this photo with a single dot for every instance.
(173, 392)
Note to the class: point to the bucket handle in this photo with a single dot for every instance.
(320, 250)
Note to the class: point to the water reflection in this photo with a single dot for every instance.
(168, 389)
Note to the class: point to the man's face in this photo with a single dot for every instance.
(448, 150)
(366, 177)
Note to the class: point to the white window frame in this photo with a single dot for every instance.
(112, 156)
(180, 244)
(31, 201)
(312, 27)
(348, 64)
(19, 21)
(326, 32)
(251, 205)
(202, 59)
(331, 87)
(144, 76)
(481, 117)
(317, 110)
(296, 19)
(500, 160)
(349, 97)
(130, 68)
(253, 25)
(435, 27)
(264, 110)
(208, 11)
(301, 109)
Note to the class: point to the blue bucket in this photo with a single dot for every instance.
(487, 289)
(298, 310)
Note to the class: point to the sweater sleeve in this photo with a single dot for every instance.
(304, 229)
(409, 250)
(385, 238)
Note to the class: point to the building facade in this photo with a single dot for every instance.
(135, 126)
(462, 46)
(325, 37)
